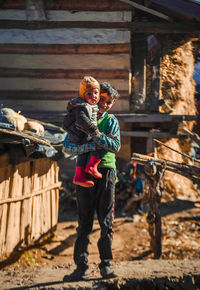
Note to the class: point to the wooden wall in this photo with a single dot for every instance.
(29, 194)
(45, 50)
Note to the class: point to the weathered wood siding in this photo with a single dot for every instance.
(29, 194)
(40, 69)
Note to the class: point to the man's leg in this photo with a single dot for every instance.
(105, 212)
(86, 208)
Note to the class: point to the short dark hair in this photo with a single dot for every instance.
(109, 89)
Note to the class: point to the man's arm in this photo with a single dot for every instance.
(111, 140)
(74, 149)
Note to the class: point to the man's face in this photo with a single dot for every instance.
(92, 96)
(105, 103)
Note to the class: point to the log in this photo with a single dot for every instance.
(190, 171)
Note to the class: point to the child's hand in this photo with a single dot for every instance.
(110, 135)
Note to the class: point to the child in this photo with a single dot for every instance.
(81, 120)
(100, 197)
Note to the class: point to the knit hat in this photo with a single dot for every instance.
(87, 84)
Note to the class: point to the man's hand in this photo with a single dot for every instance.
(110, 135)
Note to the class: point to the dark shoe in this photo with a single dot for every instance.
(107, 273)
(77, 275)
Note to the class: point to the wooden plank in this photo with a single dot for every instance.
(165, 27)
(54, 195)
(10, 4)
(32, 25)
(4, 193)
(149, 134)
(64, 36)
(141, 27)
(26, 204)
(61, 15)
(120, 106)
(87, 5)
(53, 84)
(44, 105)
(29, 196)
(146, 118)
(36, 227)
(146, 9)
(185, 8)
(45, 95)
(64, 73)
(13, 217)
(65, 48)
(69, 61)
(45, 198)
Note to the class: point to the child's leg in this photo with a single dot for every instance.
(80, 178)
(94, 161)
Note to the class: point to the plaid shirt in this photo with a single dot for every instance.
(109, 141)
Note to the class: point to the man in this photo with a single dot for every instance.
(100, 197)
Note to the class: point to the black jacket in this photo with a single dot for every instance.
(77, 122)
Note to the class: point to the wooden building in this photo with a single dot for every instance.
(46, 47)
(29, 190)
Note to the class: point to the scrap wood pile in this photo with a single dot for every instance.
(22, 138)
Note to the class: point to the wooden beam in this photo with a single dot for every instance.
(78, 5)
(14, 84)
(64, 73)
(22, 24)
(149, 134)
(136, 27)
(10, 4)
(146, 9)
(157, 118)
(88, 5)
(171, 28)
(52, 105)
(154, 65)
(69, 61)
(36, 12)
(188, 9)
(65, 48)
(45, 95)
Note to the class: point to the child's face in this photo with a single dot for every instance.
(105, 103)
(92, 96)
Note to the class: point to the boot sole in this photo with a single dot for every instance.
(83, 184)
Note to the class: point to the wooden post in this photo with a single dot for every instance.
(153, 175)
(153, 61)
(138, 94)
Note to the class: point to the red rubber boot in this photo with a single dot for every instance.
(80, 179)
(91, 167)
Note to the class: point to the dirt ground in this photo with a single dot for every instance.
(44, 265)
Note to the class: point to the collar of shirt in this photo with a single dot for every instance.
(102, 115)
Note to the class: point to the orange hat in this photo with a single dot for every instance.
(87, 84)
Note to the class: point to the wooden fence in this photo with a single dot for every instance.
(29, 195)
